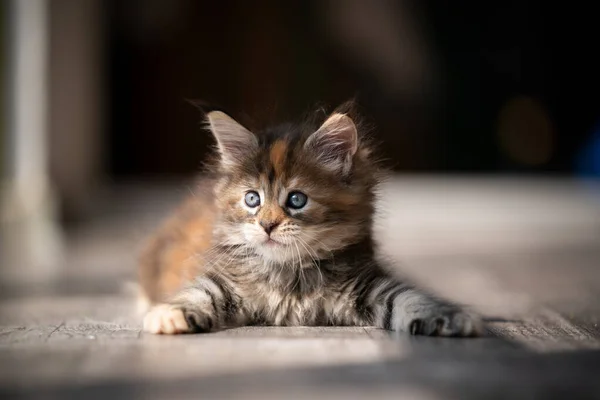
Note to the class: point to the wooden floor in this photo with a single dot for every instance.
(524, 252)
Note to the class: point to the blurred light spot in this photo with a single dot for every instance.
(588, 159)
(525, 131)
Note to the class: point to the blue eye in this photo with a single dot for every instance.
(252, 199)
(296, 200)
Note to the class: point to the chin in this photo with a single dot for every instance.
(276, 252)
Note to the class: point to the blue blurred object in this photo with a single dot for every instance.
(588, 162)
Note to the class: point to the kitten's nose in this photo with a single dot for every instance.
(268, 226)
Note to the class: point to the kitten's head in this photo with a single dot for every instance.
(294, 191)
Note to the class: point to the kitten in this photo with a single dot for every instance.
(279, 233)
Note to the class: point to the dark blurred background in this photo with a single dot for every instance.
(96, 91)
(452, 86)
(494, 87)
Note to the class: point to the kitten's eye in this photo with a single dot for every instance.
(252, 199)
(296, 200)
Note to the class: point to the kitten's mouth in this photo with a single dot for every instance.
(272, 242)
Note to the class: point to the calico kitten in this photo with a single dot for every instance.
(279, 233)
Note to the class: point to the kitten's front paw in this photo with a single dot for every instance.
(447, 323)
(171, 320)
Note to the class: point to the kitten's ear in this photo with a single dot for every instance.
(234, 141)
(335, 143)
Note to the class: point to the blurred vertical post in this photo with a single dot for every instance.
(31, 240)
(75, 108)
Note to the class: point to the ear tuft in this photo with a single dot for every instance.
(335, 143)
(234, 140)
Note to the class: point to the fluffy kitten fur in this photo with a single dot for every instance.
(222, 262)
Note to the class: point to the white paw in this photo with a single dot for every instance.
(166, 319)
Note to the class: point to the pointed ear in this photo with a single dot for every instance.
(233, 140)
(335, 143)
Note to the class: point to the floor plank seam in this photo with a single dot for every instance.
(58, 327)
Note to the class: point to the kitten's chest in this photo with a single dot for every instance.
(286, 298)
(279, 307)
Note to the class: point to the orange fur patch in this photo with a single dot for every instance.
(171, 258)
(272, 213)
(277, 155)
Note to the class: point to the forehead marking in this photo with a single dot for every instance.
(277, 155)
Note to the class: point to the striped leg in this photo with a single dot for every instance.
(207, 305)
(399, 307)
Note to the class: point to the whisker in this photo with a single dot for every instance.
(316, 262)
